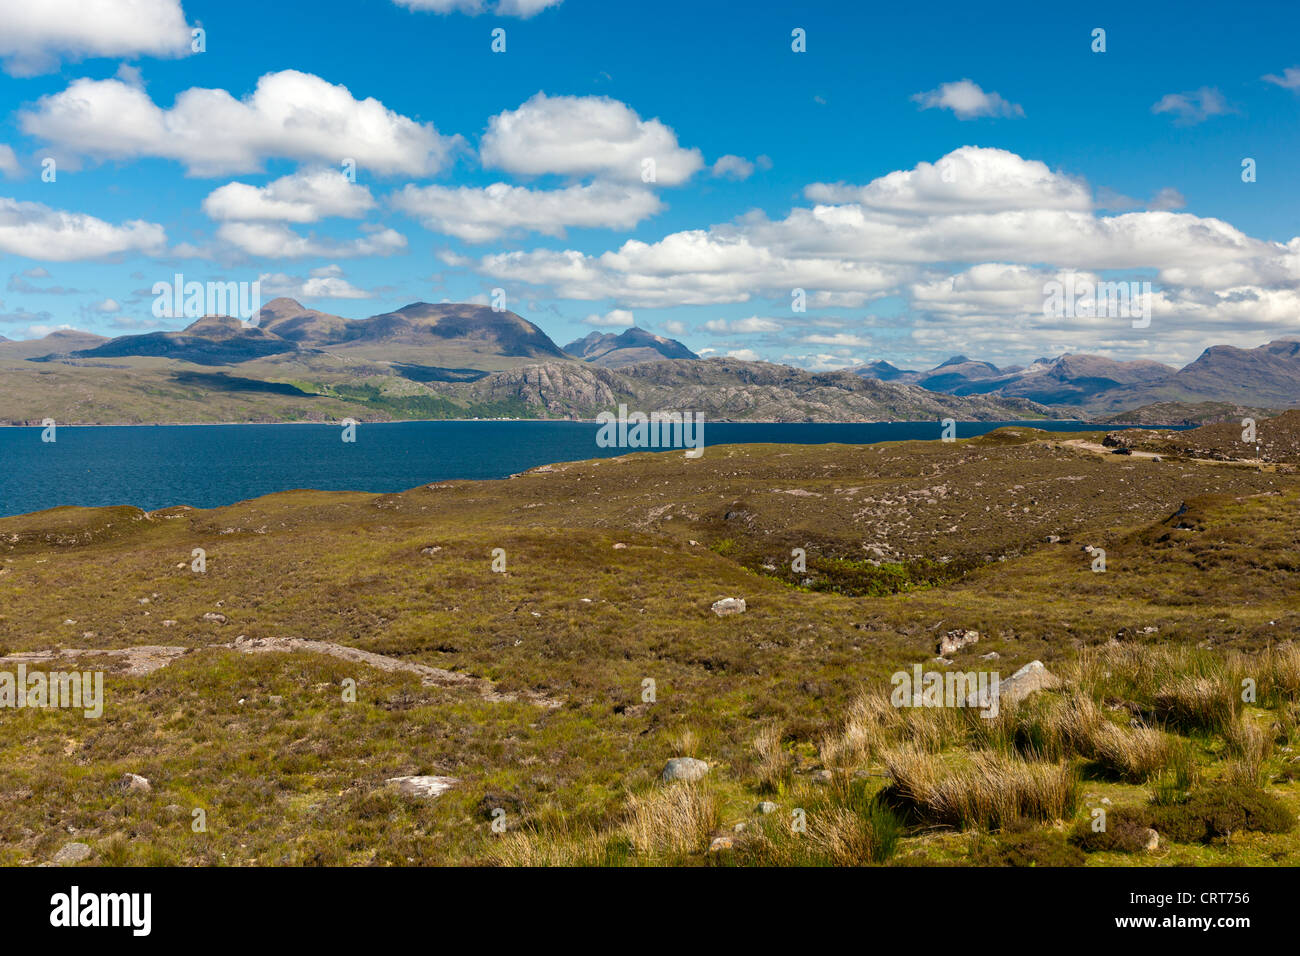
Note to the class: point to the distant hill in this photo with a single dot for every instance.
(212, 340)
(1067, 380)
(57, 344)
(627, 348)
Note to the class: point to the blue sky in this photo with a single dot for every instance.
(1061, 160)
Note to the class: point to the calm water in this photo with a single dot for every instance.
(154, 466)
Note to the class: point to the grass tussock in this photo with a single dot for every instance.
(672, 821)
(990, 791)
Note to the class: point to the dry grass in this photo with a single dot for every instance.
(774, 765)
(991, 790)
(676, 820)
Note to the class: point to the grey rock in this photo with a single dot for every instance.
(729, 606)
(1152, 840)
(684, 768)
(721, 844)
(1030, 678)
(215, 618)
(72, 853)
(135, 783)
(420, 786)
(767, 806)
(954, 641)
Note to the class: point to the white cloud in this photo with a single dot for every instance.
(1289, 80)
(581, 136)
(844, 339)
(745, 355)
(972, 178)
(36, 231)
(289, 115)
(326, 282)
(480, 215)
(36, 34)
(733, 167)
(106, 307)
(502, 8)
(9, 164)
(618, 318)
(277, 241)
(971, 254)
(1195, 106)
(967, 101)
(748, 326)
(305, 196)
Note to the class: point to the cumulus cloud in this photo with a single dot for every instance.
(748, 326)
(967, 101)
(971, 178)
(732, 167)
(290, 115)
(973, 248)
(305, 196)
(480, 215)
(327, 282)
(617, 318)
(9, 164)
(585, 136)
(1195, 106)
(36, 36)
(36, 231)
(278, 241)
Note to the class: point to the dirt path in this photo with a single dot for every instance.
(1097, 449)
(145, 659)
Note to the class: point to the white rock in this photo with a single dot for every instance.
(729, 606)
(684, 768)
(72, 853)
(423, 786)
(135, 782)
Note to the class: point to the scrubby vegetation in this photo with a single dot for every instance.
(567, 680)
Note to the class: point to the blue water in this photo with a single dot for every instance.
(154, 466)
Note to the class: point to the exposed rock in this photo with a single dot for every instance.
(721, 844)
(135, 783)
(72, 853)
(684, 768)
(215, 617)
(767, 806)
(1030, 678)
(954, 641)
(423, 786)
(821, 776)
(729, 606)
(1152, 840)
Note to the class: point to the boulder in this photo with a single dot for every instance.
(1030, 678)
(729, 606)
(72, 853)
(133, 782)
(954, 641)
(684, 768)
(423, 786)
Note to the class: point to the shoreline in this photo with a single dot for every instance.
(579, 421)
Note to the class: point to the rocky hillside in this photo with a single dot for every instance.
(730, 389)
(627, 348)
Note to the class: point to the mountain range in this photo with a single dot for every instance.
(464, 360)
(1263, 377)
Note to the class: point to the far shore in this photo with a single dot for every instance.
(573, 421)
